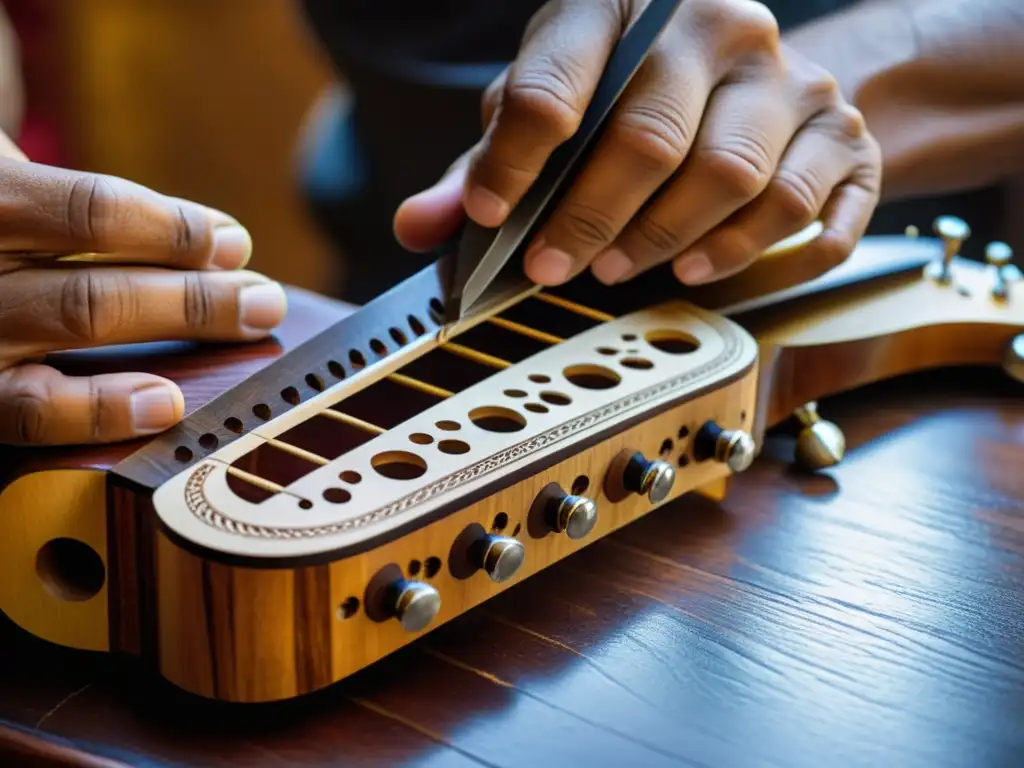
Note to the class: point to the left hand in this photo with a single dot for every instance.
(725, 142)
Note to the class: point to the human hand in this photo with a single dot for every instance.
(156, 269)
(725, 143)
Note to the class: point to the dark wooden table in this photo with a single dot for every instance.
(870, 616)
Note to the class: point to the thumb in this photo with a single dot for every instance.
(429, 218)
(41, 406)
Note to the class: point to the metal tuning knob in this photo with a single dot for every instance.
(1013, 358)
(575, 516)
(1000, 256)
(820, 443)
(501, 556)
(415, 604)
(953, 232)
(732, 447)
(653, 479)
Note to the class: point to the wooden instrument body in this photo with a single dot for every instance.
(253, 631)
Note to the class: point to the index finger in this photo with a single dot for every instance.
(546, 92)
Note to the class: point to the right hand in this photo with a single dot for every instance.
(164, 269)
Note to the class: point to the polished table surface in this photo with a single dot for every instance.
(872, 615)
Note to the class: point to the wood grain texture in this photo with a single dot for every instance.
(868, 616)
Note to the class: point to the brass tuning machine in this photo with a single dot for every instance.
(820, 443)
(954, 232)
(999, 257)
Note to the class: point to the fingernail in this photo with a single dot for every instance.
(694, 268)
(611, 266)
(548, 266)
(485, 207)
(154, 409)
(232, 247)
(262, 308)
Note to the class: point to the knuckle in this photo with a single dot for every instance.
(186, 234)
(656, 134)
(92, 202)
(200, 301)
(833, 247)
(741, 166)
(588, 225)
(822, 88)
(741, 25)
(796, 196)
(851, 122)
(93, 306)
(31, 417)
(547, 96)
(664, 239)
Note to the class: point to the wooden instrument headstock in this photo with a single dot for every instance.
(385, 476)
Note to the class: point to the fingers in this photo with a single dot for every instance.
(41, 406)
(43, 310)
(431, 217)
(53, 210)
(830, 170)
(545, 94)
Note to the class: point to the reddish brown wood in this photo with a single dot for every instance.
(871, 615)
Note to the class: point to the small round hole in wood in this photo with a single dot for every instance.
(414, 567)
(743, 416)
(233, 424)
(262, 411)
(453, 447)
(684, 460)
(540, 378)
(350, 477)
(356, 358)
(580, 485)
(70, 569)
(305, 504)
(517, 529)
(432, 567)
(398, 337)
(378, 348)
(607, 351)
(398, 465)
(416, 326)
(348, 609)
(666, 449)
(209, 441)
(183, 454)
(515, 393)
(637, 363)
(337, 369)
(684, 432)
(314, 382)
(629, 337)
(555, 398)
(591, 376)
(290, 395)
(672, 342)
(421, 438)
(448, 426)
(494, 418)
(500, 522)
(437, 311)
(536, 408)
(337, 495)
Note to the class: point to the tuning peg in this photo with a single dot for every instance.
(1013, 358)
(820, 443)
(733, 447)
(501, 557)
(651, 478)
(953, 232)
(415, 604)
(1000, 256)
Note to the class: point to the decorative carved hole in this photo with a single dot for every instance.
(350, 477)
(398, 337)
(580, 485)
(399, 465)
(673, 342)
(337, 495)
(262, 411)
(420, 438)
(314, 382)
(290, 395)
(356, 358)
(209, 441)
(500, 522)
(416, 325)
(539, 378)
(684, 432)
(607, 351)
(414, 567)
(183, 454)
(743, 415)
(555, 398)
(233, 424)
(437, 311)
(337, 369)
(305, 504)
(348, 609)
(453, 447)
(536, 408)
(432, 567)
(70, 569)
(637, 363)
(591, 376)
(629, 337)
(448, 426)
(515, 393)
(518, 528)
(684, 460)
(494, 418)
(378, 347)
(666, 449)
